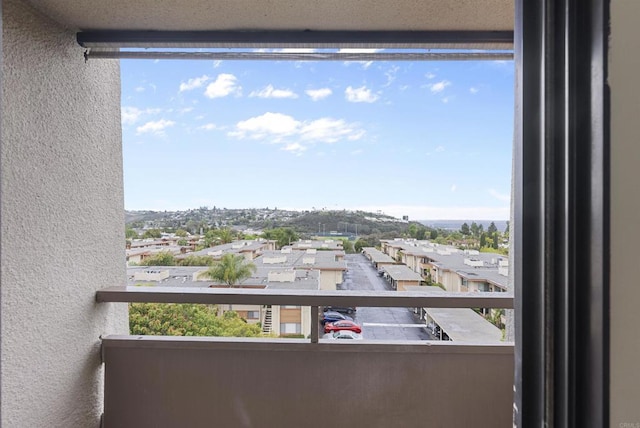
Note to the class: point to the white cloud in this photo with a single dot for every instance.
(439, 149)
(357, 152)
(295, 148)
(500, 196)
(131, 115)
(360, 95)
(391, 74)
(474, 90)
(282, 128)
(270, 92)
(330, 130)
(217, 63)
(454, 188)
(430, 76)
(225, 84)
(274, 125)
(156, 127)
(439, 87)
(140, 89)
(194, 83)
(318, 94)
(208, 127)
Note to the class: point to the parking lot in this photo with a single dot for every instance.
(380, 323)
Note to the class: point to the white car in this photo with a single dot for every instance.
(343, 334)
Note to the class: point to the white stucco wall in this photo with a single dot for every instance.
(61, 197)
(624, 69)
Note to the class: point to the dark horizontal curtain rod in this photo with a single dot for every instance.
(302, 38)
(282, 56)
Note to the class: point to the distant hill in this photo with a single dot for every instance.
(456, 224)
(318, 222)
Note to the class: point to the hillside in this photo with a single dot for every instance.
(307, 223)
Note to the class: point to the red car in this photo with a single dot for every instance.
(342, 325)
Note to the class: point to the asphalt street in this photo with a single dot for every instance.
(380, 323)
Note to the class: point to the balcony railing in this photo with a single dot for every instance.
(196, 382)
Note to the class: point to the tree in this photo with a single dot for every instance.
(347, 246)
(464, 229)
(433, 234)
(152, 233)
(193, 260)
(181, 233)
(175, 319)
(130, 233)
(182, 242)
(225, 235)
(163, 258)
(492, 228)
(285, 236)
(230, 270)
(483, 240)
(475, 229)
(360, 243)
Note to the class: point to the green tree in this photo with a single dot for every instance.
(475, 230)
(163, 258)
(182, 242)
(433, 234)
(176, 319)
(130, 233)
(464, 229)
(492, 228)
(152, 233)
(193, 260)
(359, 245)
(225, 235)
(181, 233)
(347, 246)
(483, 240)
(230, 270)
(285, 236)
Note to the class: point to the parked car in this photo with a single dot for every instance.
(332, 316)
(342, 325)
(343, 334)
(342, 309)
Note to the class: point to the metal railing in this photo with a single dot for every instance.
(313, 298)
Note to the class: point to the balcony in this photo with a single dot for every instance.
(179, 381)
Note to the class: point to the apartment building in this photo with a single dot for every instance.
(275, 319)
(249, 249)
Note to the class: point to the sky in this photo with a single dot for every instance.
(431, 140)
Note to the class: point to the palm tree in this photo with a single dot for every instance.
(230, 270)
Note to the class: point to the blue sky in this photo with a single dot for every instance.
(431, 140)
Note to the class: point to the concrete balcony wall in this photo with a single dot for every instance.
(62, 221)
(203, 382)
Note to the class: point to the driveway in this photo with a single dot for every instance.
(380, 323)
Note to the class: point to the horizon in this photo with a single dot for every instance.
(429, 140)
(438, 220)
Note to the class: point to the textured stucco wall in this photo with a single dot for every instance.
(624, 69)
(62, 222)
